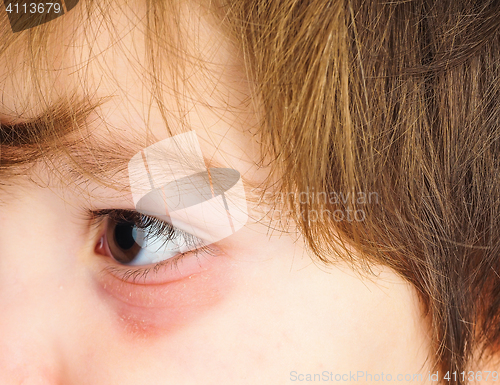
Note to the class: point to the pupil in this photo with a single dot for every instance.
(124, 235)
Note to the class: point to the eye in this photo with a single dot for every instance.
(134, 239)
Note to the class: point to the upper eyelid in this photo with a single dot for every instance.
(99, 215)
(118, 214)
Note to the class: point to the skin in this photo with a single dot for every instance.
(253, 314)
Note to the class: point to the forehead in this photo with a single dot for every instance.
(189, 78)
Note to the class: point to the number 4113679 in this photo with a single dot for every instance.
(479, 376)
(34, 7)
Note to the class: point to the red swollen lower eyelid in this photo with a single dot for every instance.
(148, 310)
(166, 271)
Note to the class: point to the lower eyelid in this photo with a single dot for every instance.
(170, 270)
(151, 311)
(148, 308)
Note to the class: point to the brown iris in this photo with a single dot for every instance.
(120, 240)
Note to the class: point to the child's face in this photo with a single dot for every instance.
(255, 310)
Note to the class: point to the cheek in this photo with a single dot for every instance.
(143, 311)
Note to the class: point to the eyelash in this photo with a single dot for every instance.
(158, 228)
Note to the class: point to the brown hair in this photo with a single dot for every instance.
(397, 99)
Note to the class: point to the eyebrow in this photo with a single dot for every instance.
(62, 134)
(24, 141)
(56, 120)
(107, 160)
